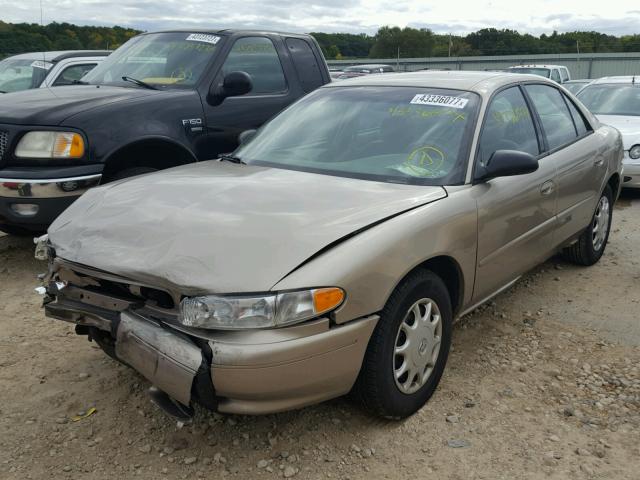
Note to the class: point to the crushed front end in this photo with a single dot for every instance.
(255, 371)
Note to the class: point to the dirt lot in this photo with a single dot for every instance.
(544, 382)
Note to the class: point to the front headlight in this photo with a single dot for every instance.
(634, 152)
(237, 312)
(50, 145)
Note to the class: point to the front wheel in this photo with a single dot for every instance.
(409, 347)
(593, 240)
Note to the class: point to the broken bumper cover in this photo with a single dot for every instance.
(251, 372)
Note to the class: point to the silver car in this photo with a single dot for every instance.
(333, 251)
(616, 102)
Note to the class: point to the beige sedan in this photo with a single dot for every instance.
(333, 251)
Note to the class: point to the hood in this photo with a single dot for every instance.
(51, 106)
(627, 125)
(218, 227)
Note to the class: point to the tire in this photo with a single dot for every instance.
(593, 240)
(377, 387)
(131, 172)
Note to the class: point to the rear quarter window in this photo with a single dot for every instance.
(305, 63)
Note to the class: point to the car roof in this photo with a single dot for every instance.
(57, 56)
(369, 65)
(579, 80)
(228, 31)
(538, 66)
(631, 79)
(480, 82)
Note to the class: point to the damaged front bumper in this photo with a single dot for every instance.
(242, 372)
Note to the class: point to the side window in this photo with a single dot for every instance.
(305, 63)
(555, 75)
(73, 73)
(581, 124)
(258, 57)
(508, 126)
(564, 74)
(554, 114)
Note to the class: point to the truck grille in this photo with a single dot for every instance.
(4, 142)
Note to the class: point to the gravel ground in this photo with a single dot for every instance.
(543, 382)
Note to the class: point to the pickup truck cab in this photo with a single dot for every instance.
(557, 73)
(47, 69)
(162, 99)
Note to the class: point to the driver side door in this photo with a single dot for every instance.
(517, 214)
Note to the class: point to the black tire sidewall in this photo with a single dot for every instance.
(592, 252)
(393, 402)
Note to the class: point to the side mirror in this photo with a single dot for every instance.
(246, 136)
(234, 84)
(507, 163)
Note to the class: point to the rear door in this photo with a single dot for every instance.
(516, 215)
(573, 148)
(274, 87)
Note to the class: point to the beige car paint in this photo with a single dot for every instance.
(479, 236)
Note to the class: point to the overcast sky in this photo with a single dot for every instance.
(617, 17)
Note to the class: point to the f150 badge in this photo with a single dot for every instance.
(194, 124)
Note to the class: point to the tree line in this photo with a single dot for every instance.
(25, 37)
(388, 42)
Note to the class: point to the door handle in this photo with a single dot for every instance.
(547, 188)
(599, 161)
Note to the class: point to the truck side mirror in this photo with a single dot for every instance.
(234, 84)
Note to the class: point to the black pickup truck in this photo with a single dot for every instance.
(161, 100)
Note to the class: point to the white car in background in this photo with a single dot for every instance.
(47, 69)
(557, 73)
(616, 102)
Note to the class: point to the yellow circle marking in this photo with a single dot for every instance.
(427, 158)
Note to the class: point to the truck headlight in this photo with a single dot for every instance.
(634, 152)
(50, 145)
(238, 312)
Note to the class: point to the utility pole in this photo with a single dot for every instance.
(450, 42)
(398, 59)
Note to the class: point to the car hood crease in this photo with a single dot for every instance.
(216, 227)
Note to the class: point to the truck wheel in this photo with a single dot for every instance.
(131, 172)
(592, 242)
(409, 347)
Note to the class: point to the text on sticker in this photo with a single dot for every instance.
(439, 100)
(203, 37)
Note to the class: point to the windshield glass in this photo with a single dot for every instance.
(574, 87)
(390, 134)
(612, 99)
(543, 72)
(16, 75)
(163, 60)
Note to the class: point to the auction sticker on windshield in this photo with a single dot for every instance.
(203, 37)
(439, 100)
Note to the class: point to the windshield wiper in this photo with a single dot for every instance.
(2, 91)
(79, 82)
(232, 159)
(139, 82)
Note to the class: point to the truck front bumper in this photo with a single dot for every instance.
(32, 204)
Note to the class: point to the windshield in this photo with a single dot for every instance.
(543, 72)
(612, 99)
(163, 60)
(16, 75)
(390, 134)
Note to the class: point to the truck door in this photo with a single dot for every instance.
(274, 87)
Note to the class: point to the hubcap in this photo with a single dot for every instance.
(600, 223)
(417, 345)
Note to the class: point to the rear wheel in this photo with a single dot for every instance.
(592, 242)
(409, 347)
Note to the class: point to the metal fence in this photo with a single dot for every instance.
(587, 65)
